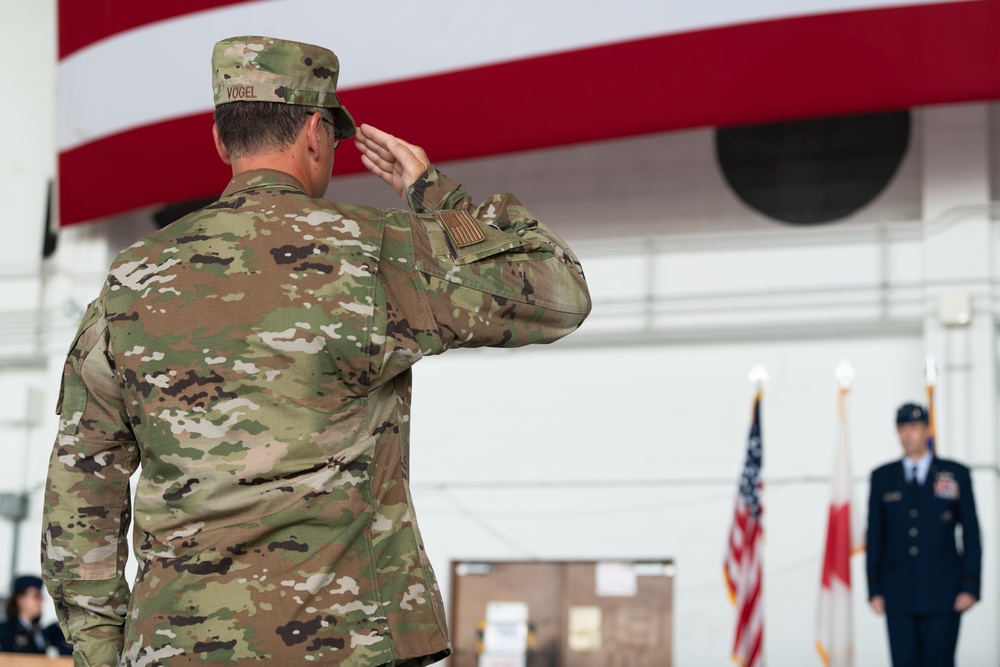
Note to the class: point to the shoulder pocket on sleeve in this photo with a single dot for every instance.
(456, 235)
(83, 341)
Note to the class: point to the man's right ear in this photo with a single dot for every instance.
(219, 146)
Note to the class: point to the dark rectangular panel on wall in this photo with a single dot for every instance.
(635, 629)
(476, 585)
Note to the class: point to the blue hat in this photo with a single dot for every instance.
(911, 412)
(22, 584)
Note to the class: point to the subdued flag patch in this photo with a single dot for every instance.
(462, 229)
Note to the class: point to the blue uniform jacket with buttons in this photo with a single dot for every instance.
(913, 558)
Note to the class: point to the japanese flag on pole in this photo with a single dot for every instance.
(834, 636)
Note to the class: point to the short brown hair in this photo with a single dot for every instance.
(251, 128)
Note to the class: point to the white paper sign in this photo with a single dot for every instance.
(616, 580)
(585, 628)
(506, 612)
(502, 661)
(505, 638)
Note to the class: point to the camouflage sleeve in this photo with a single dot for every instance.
(87, 506)
(493, 275)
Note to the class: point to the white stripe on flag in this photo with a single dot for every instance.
(161, 71)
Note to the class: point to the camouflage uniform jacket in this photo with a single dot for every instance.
(255, 358)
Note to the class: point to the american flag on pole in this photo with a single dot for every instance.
(834, 636)
(744, 557)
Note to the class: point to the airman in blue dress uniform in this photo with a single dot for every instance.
(917, 575)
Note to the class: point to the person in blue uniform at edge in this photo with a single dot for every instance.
(917, 575)
(21, 632)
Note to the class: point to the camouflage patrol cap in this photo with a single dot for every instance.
(265, 69)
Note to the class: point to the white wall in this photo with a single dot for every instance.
(654, 184)
(27, 162)
(27, 137)
(653, 436)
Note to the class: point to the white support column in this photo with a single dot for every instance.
(959, 327)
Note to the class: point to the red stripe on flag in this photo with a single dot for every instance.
(114, 175)
(756, 656)
(749, 610)
(821, 65)
(837, 561)
(83, 22)
(748, 639)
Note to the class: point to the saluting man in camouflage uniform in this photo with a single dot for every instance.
(255, 358)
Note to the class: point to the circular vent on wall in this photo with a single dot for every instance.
(813, 171)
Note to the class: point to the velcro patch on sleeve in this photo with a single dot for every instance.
(462, 229)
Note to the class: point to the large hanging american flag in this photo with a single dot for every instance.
(481, 79)
(744, 557)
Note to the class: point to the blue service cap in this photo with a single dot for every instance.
(911, 412)
(22, 584)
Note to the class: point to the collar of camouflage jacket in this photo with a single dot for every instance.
(260, 178)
